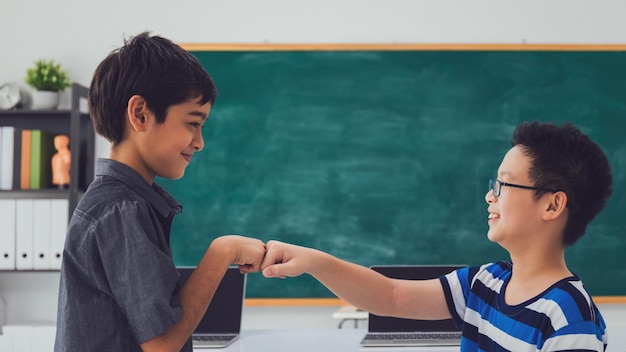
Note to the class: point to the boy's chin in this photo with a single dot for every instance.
(174, 175)
(492, 235)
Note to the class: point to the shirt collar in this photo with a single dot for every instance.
(158, 197)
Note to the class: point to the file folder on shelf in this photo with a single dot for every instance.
(6, 157)
(58, 230)
(41, 234)
(24, 234)
(7, 234)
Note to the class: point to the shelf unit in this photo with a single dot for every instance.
(29, 297)
(78, 126)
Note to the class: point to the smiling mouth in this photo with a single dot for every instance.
(494, 216)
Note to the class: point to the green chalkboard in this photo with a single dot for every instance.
(383, 157)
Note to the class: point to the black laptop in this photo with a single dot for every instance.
(389, 331)
(221, 323)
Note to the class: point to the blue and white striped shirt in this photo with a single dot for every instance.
(563, 318)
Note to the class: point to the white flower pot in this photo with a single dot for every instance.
(44, 100)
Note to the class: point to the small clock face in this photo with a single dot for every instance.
(9, 96)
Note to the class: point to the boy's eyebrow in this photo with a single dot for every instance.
(504, 173)
(199, 114)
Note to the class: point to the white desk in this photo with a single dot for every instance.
(327, 340)
(350, 313)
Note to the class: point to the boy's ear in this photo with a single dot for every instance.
(137, 112)
(557, 203)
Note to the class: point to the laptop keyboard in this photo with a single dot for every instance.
(212, 337)
(414, 336)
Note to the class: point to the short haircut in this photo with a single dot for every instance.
(565, 159)
(163, 73)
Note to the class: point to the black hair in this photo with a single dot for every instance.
(565, 159)
(162, 72)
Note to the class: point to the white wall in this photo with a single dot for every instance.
(79, 34)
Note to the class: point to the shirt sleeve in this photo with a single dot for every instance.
(138, 268)
(456, 287)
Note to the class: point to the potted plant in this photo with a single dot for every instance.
(48, 79)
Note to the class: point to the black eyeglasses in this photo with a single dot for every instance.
(496, 187)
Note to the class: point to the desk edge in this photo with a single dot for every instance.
(339, 302)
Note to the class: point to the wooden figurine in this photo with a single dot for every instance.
(61, 162)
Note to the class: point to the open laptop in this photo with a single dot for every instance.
(221, 323)
(388, 331)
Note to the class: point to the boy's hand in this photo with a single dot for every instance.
(248, 253)
(282, 260)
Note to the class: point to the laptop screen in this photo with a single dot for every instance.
(224, 312)
(413, 272)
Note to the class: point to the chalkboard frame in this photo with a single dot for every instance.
(195, 47)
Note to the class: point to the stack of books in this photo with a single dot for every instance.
(25, 158)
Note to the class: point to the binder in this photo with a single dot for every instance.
(58, 229)
(41, 234)
(17, 157)
(6, 157)
(7, 234)
(25, 159)
(42, 147)
(24, 234)
(1, 153)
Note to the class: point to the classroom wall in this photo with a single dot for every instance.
(79, 34)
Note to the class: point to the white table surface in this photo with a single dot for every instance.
(326, 340)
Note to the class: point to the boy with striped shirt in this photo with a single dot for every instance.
(550, 185)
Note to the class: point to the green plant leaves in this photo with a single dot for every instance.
(47, 75)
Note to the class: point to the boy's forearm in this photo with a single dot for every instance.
(195, 296)
(199, 289)
(356, 284)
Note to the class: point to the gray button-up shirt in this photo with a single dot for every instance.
(118, 284)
